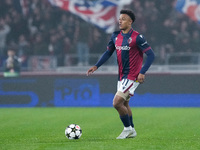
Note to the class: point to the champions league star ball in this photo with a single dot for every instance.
(73, 131)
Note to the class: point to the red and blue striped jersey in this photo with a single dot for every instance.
(129, 48)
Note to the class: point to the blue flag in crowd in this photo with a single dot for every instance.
(189, 7)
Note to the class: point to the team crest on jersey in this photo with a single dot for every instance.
(129, 40)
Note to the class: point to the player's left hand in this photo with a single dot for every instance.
(141, 78)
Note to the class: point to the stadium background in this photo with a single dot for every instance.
(46, 40)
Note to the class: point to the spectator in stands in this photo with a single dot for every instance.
(195, 46)
(69, 23)
(140, 24)
(55, 49)
(36, 18)
(18, 26)
(183, 38)
(12, 64)
(195, 41)
(39, 46)
(66, 48)
(4, 30)
(23, 50)
(96, 43)
(83, 40)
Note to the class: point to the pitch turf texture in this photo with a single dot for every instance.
(43, 129)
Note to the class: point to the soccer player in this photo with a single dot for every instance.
(129, 46)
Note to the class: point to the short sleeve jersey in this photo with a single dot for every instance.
(129, 48)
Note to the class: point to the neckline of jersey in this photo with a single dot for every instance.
(129, 32)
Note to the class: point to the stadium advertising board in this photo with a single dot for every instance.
(82, 91)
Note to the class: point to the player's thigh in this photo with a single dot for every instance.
(118, 101)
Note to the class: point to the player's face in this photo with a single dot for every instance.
(124, 22)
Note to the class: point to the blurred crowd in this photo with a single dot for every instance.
(167, 30)
(35, 28)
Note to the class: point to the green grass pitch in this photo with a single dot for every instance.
(43, 129)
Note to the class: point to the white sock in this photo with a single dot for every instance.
(128, 128)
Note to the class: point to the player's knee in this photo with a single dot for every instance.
(116, 105)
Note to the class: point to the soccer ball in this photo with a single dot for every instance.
(73, 131)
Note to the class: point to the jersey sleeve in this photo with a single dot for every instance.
(142, 43)
(106, 55)
(111, 44)
(145, 48)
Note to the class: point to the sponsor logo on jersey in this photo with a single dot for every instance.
(123, 48)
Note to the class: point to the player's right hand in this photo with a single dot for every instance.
(91, 70)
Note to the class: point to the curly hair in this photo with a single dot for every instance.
(129, 13)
